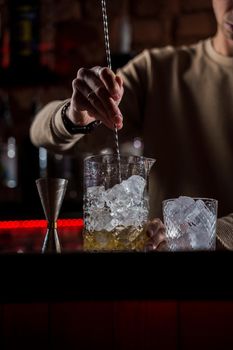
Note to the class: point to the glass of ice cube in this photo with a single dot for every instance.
(116, 203)
(190, 223)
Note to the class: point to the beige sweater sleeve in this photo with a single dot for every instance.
(47, 129)
(225, 232)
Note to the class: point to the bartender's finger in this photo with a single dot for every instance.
(91, 104)
(109, 104)
(92, 78)
(84, 106)
(119, 81)
(154, 226)
(109, 80)
(101, 101)
(118, 118)
(155, 230)
(78, 104)
(89, 95)
(156, 242)
(97, 104)
(162, 246)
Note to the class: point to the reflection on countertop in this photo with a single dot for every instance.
(27, 236)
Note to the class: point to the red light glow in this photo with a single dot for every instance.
(40, 223)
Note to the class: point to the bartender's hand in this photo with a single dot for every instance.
(156, 232)
(96, 95)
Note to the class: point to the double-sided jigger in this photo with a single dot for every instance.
(51, 192)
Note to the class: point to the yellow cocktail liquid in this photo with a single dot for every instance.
(126, 239)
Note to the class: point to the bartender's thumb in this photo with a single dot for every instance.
(155, 230)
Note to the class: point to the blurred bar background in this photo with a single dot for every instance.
(42, 45)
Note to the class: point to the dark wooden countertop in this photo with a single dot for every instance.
(111, 276)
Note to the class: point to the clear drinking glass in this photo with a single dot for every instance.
(116, 202)
(190, 223)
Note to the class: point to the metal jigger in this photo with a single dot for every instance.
(51, 192)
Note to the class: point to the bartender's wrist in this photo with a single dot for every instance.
(76, 127)
(67, 110)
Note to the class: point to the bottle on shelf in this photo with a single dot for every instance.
(8, 146)
(4, 36)
(24, 33)
(122, 37)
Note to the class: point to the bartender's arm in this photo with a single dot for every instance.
(96, 95)
(225, 232)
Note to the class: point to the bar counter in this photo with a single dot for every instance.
(141, 301)
(75, 274)
(109, 276)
